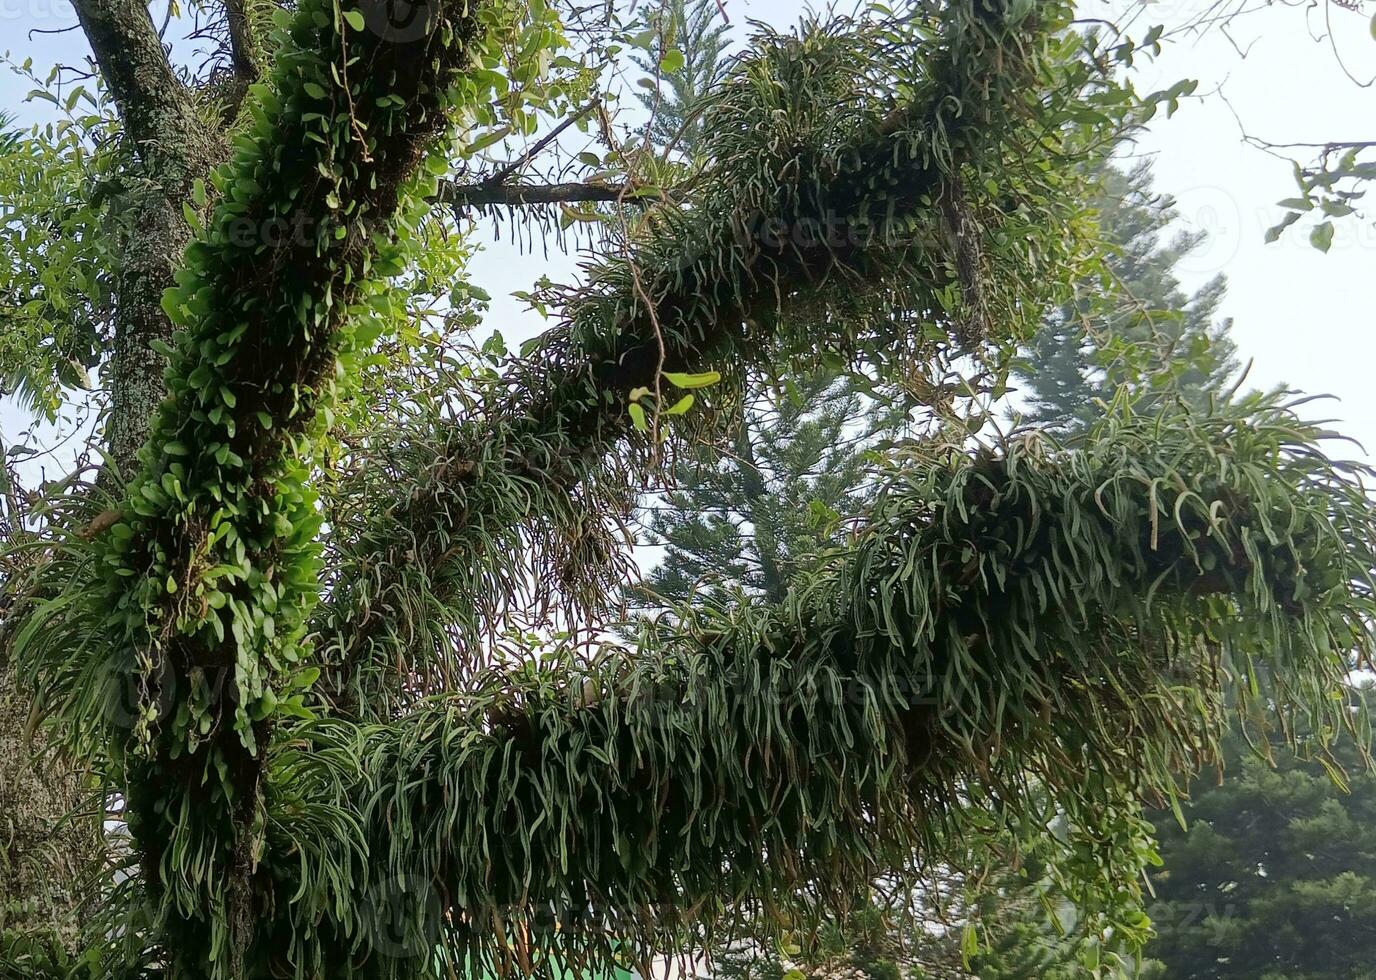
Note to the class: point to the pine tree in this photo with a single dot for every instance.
(754, 518)
(1136, 328)
(757, 517)
(687, 58)
(1273, 876)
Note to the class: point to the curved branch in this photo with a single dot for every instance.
(790, 246)
(154, 106)
(1042, 621)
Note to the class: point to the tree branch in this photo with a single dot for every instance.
(494, 189)
(485, 194)
(539, 146)
(1004, 626)
(156, 109)
(729, 286)
(243, 46)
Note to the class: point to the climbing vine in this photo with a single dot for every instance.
(211, 571)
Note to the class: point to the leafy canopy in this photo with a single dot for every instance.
(313, 722)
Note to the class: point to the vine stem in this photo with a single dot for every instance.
(342, 27)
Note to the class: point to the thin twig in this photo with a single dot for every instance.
(501, 175)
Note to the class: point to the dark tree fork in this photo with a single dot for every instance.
(1029, 622)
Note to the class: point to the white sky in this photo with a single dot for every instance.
(1301, 315)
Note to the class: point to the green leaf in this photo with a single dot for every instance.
(1322, 236)
(483, 142)
(703, 379)
(672, 60)
(638, 417)
(265, 706)
(355, 19)
(969, 942)
(313, 89)
(1090, 957)
(1274, 233)
(681, 406)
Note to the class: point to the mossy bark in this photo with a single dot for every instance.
(154, 239)
(172, 149)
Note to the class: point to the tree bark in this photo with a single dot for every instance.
(174, 148)
(153, 247)
(486, 195)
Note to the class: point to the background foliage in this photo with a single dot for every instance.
(1272, 875)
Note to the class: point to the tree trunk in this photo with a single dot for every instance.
(51, 835)
(152, 252)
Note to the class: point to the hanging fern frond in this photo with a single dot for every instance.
(815, 231)
(1032, 620)
(1027, 623)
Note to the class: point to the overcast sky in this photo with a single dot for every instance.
(1302, 316)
